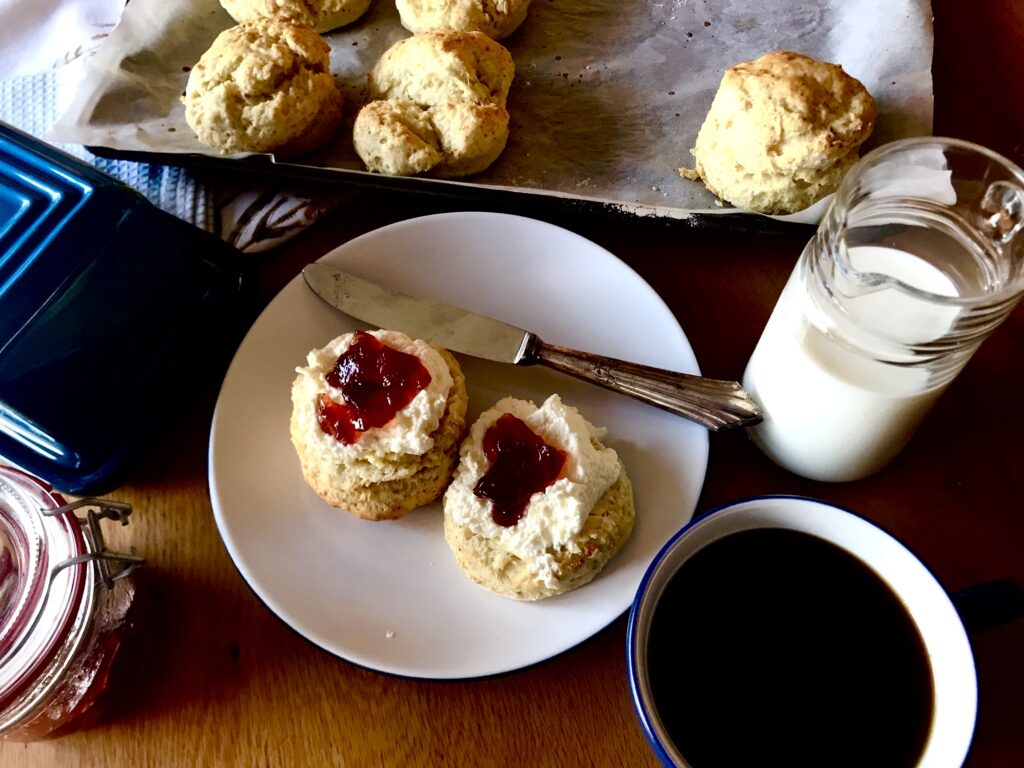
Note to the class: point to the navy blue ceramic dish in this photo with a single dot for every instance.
(949, 725)
(112, 313)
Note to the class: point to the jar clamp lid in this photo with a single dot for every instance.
(51, 564)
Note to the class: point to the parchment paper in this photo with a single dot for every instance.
(607, 99)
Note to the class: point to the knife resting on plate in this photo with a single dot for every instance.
(712, 403)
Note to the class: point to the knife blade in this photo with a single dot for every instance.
(450, 327)
(713, 403)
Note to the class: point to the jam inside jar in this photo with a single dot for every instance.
(67, 607)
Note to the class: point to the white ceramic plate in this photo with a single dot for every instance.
(388, 595)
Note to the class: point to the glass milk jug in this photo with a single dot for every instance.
(919, 258)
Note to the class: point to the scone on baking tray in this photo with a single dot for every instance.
(321, 15)
(495, 18)
(781, 132)
(538, 505)
(264, 86)
(376, 422)
(438, 106)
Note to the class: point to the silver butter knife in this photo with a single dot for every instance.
(713, 403)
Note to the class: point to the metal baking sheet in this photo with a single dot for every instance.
(606, 104)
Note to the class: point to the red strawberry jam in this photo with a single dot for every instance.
(377, 382)
(521, 464)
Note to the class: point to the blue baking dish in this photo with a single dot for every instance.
(112, 315)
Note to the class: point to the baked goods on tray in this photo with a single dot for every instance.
(438, 106)
(264, 86)
(538, 505)
(376, 422)
(781, 132)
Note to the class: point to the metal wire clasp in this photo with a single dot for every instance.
(107, 562)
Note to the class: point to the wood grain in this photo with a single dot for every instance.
(224, 683)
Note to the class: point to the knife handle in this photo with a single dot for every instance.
(713, 403)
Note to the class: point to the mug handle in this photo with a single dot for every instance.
(989, 605)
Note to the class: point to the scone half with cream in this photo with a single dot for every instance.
(538, 505)
(376, 421)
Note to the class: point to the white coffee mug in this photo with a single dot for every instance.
(953, 677)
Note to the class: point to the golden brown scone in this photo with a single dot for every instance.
(606, 530)
(396, 138)
(400, 138)
(781, 132)
(444, 97)
(439, 67)
(264, 86)
(471, 135)
(495, 18)
(382, 486)
(321, 15)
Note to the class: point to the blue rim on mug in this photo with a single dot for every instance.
(953, 725)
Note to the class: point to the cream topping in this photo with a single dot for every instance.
(409, 432)
(554, 516)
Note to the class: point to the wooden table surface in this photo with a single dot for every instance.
(228, 684)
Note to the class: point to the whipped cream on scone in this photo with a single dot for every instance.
(553, 519)
(411, 430)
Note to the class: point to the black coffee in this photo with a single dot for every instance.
(773, 647)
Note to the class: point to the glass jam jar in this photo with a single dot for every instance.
(919, 258)
(66, 607)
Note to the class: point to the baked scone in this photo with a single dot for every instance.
(378, 471)
(321, 15)
(444, 97)
(526, 539)
(495, 18)
(781, 132)
(396, 138)
(264, 86)
(400, 138)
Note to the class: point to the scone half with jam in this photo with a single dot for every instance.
(376, 421)
(538, 505)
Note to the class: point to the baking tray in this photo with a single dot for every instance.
(607, 100)
(263, 169)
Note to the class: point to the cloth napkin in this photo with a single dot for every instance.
(44, 46)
